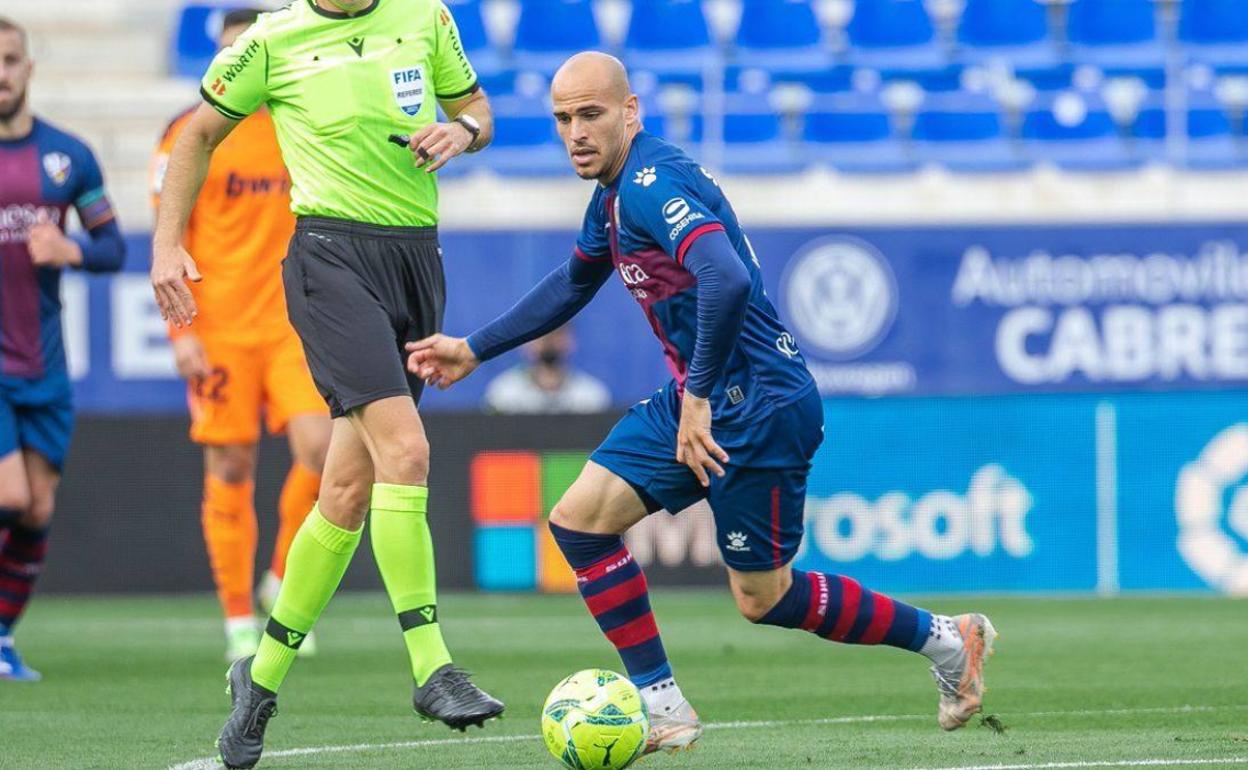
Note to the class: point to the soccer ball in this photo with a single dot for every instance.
(595, 720)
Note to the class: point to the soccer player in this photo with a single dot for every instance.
(738, 424)
(363, 275)
(43, 173)
(242, 358)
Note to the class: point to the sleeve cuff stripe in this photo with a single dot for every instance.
(581, 255)
(694, 234)
(472, 89)
(219, 107)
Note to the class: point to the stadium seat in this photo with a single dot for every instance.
(963, 132)
(195, 40)
(668, 36)
(1075, 133)
(754, 80)
(891, 35)
(1115, 34)
(549, 31)
(1016, 31)
(1209, 144)
(852, 133)
(525, 141)
(483, 55)
(753, 140)
(780, 34)
(1216, 32)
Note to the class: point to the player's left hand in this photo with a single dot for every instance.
(435, 144)
(695, 446)
(49, 247)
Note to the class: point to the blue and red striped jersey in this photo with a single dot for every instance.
(47, 171)
(645, 222)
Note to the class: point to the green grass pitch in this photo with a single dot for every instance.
(138, 683)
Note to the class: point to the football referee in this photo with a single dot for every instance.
(343, 79)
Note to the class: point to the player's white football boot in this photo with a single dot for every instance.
(961, 680)
(270, 585)
(673, 730)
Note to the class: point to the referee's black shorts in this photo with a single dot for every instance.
(356, 293)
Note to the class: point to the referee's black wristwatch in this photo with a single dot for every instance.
(474, 128)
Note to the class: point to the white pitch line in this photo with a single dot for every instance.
(1106, 763)
(211, 763)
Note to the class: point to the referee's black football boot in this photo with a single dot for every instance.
(242, 739)
(450, 697)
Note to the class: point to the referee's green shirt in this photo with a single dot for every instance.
(337, 86)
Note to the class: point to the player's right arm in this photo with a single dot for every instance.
(235, 86)
(442, 361)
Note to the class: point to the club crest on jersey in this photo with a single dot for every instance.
(409, 89)
(57, 165)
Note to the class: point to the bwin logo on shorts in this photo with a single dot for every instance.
(1217, 475)
(840, 295)
(736, 541)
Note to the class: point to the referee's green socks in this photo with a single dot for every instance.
(318, 557)
(403, 548)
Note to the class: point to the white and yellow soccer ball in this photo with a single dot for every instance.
(595, 720)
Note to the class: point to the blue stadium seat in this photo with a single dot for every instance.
(1216, 32)
(549, 31)
(668, 36)
(753, 79)
(1115, 34)
(780, 34)
(195, 40)
(687, 135)
(483, 55)
(525, 140)
(963, 132)
(1016, 31)
(1209, 142)
(1082, 138)
(753, 141)
(852, 133)
(893, 35)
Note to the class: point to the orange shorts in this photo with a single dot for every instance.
(249, 380)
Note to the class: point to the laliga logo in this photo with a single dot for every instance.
(1209, 550)
(840, 295)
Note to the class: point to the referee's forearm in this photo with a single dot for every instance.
(478, 108)
(188, 167)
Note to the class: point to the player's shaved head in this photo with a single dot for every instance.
(596, 112)
(594, 71)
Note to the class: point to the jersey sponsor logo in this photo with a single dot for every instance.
(57, 166)
(237, 185)
(632, 275)
(1211, 498)
(16, 219)
(840, 295)
(736, 542)
(238, 67)
(357, 45)
(409, 89)
(646, 176)
(675, 210)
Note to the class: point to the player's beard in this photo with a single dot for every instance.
(14, 109)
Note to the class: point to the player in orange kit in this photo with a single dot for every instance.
(242, 359)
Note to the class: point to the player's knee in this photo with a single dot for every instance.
(406, 460)
(38, 515)
(571, 516)
(754, 607)
(345, 502)
(231, 464)
(15, 500)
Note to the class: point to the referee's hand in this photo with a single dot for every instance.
(435, 144)
(695, 446)
(172, 267)
(441, 361)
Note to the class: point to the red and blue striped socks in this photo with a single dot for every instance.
(614, 588)
(21, 560)
(839, 609)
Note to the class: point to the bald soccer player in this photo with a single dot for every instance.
(362, 276)
(737, 425)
